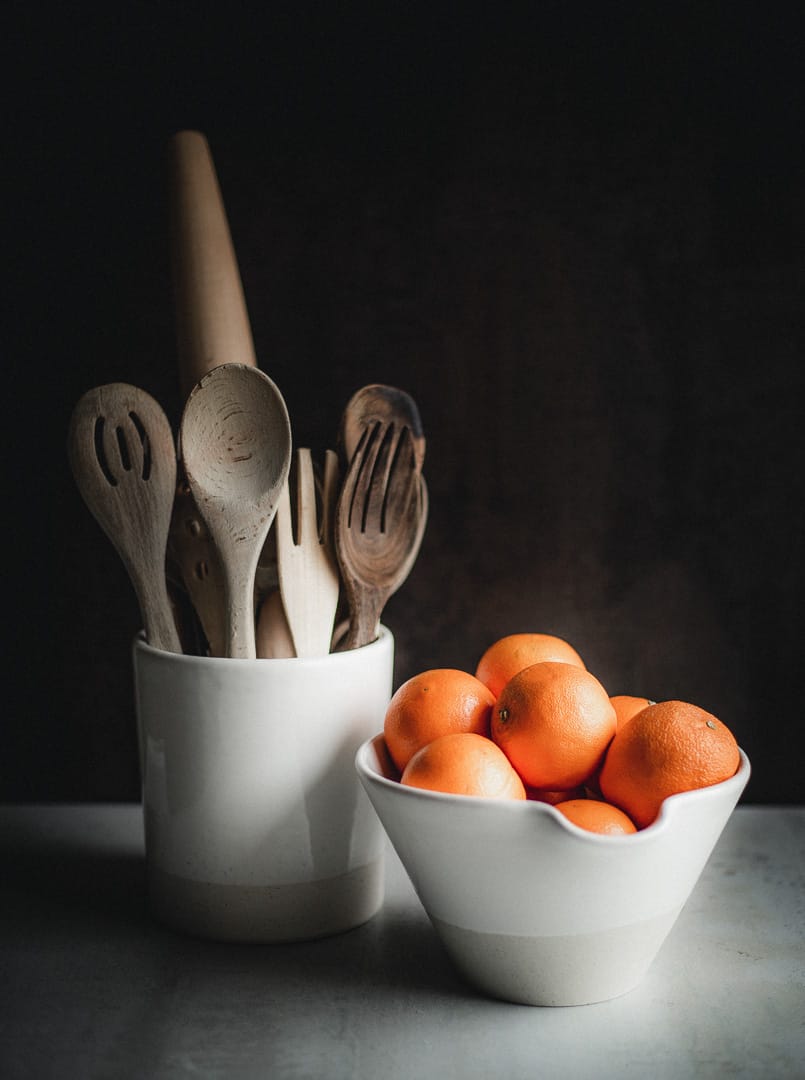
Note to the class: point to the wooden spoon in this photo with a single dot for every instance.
(308, 570)
(378, 526)
(235, 445)
(123, 459)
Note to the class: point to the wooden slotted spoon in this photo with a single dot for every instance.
(379, 403)
(384, 404)
(308, 570)
(378, 526)
(235, 445)
(123, 458)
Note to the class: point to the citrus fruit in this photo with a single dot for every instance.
(626, 706)
(553, 797)
(667, 748)
(553, 721)
(596, 816)
(464, 764)
(509, 655)
(433, 703)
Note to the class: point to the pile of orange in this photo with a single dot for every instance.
(533, 723)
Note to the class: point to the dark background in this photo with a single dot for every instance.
(576, 238)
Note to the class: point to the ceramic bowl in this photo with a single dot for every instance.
(531, 908)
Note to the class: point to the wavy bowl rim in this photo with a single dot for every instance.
(668, 809)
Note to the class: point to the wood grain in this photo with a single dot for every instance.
(212, 322)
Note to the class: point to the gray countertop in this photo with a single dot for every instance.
(92, 987)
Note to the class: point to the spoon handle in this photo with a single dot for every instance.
(365, 607)
(157, 612)
(240, 616)
(212, 322)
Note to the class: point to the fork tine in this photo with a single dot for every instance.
(377, 480)
(346, 502)
(364, 469)
(306, 516)
(403, 479)
(403, 462)
(329, 496)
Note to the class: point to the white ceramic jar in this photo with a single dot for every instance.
(256, 826)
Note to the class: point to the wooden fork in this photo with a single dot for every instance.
(306, 563)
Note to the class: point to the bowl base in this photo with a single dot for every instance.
(577, 969)
(267, 914)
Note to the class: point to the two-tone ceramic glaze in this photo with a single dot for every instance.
(256, 826)
(530, 907)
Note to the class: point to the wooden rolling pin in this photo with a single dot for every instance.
(212, 323)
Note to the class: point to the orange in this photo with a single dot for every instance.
(554, 722)
(627, 706)
(667, 748)
(597, 816)
(553, 797)
(509, 655)
(464, 764)
(433, 703)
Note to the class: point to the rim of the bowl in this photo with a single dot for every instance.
(532, 806)
(347, 656)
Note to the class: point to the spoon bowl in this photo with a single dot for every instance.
(235, 445)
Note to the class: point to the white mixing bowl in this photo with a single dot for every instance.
(533, 909)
